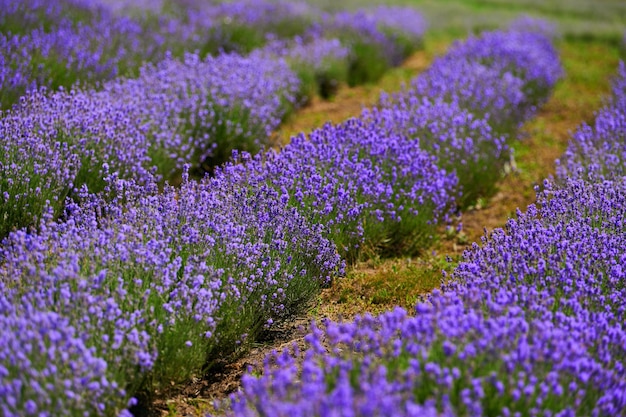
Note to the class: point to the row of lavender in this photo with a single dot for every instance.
(195, 111)
(58, 43)
(530, 324)
(138, 286)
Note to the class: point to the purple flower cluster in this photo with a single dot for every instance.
(62, 42)
(468, 105)
(173, 113)
(23, 16)
(187, 272)
(463, 144)
(395, 31)
(531, 323)
(502, 76)
(597, 152)
(199, 110)
(321, 63)
(371, 191)
(59, 43)
(241, 25)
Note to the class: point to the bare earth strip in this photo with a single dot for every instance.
(381, 284)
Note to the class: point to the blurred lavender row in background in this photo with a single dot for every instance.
(62, 43)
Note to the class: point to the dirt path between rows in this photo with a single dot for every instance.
(545, 138)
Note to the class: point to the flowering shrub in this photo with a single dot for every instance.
(62, 42)
(468, 106)
(371, 191)
(188, 273)
(173, 113)
(530, 323)
(199, 110)
(598, 152)
(462, 144)
(245, 24)
(59, 43)
(502, 76)
(321, 64)
(379, 38)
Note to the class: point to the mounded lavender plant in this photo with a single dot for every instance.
(198, 110)
(467, 106)
(68, 42)
(188, 274)
(527, 23)
(372, 191)
(531, 324)
(321, 64)
(22, 16)
(244, 25)
(462, 144)
(54, 144)
(379, 38)
(597, 152)
(502, 76)
(174, 113)
(46, 365)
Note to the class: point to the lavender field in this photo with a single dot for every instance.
(156, 227)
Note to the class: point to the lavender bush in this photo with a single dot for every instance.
(502, 76)
(530, 324)
(379, 38)
(188, 274)
(462, 144)
(531, 24)
(468, 106)
(21, 17)
(212, 106)
(321, 64)
(598, 152)
(372, 191)
(173, 113)
(60, 43)
(243, 25)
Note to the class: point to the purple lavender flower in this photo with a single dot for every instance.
(531, 320)
(379, 38)
(597, 152)
(502, 76)
(54, 144)
(369, 189)
(463, 144)
(321, 64)
(188, 271)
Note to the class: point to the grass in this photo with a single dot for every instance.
(378, 285)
